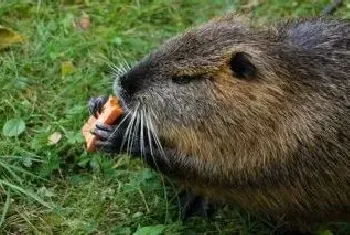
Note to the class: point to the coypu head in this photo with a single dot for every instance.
(221, 93)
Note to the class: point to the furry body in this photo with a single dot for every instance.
(256, 117)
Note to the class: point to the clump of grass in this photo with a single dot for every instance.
(14, 183)
(46, 83)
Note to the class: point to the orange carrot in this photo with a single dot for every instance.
(109, 115)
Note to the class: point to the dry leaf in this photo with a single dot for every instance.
(54, 138)
(83, 22)
(67, 67)
(9, 37)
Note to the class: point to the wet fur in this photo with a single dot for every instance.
(274, 142)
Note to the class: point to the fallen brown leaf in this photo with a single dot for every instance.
(67, 67)
(9, 37)
(83, 22)
(54, 138)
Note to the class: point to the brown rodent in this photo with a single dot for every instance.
(255, 117)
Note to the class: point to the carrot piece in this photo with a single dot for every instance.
(109, 115)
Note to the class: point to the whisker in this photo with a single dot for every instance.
(115, 75)
(118, 70)
(128, 140)
(116, 88)
(112, 66)
(151, 126)
(149, 135)
(124, 69)
(155, 135)
(120, 123)
(121, 69)
(127, 134)
(141, 132)
(125, 63)
(136, 128)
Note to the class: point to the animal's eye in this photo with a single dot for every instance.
(182, 79)
(242, 67)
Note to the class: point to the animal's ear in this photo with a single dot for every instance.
(242, 66)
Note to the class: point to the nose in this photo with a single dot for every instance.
(129, 83)
(135, 79)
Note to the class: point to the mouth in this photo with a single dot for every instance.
(141, 132)
(141, 120)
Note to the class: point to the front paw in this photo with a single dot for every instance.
(116, 138)
(108, 138)
(95, 105)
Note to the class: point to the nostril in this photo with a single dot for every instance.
(142, 98)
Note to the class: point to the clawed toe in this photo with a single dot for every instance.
(102, 135)
(103, 131)
(95, 105)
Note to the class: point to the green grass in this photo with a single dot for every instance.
(60, 189)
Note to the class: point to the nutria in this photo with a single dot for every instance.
(245, 115)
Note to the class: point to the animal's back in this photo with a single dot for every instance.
(314, 184)
(310, 183)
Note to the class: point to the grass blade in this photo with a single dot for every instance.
(6, 208)
(26, 192)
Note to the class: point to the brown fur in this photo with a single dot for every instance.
(277, 144)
